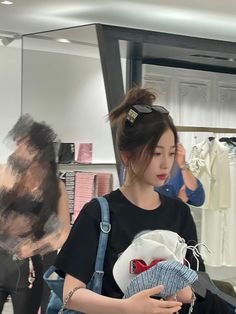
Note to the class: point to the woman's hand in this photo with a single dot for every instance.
(24, 249)
(185, 295)
(143, 303)
(182, 194)
(180, 155)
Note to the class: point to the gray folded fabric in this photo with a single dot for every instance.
(173, 275)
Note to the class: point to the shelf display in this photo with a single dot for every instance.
(82, 186)
(85, 153)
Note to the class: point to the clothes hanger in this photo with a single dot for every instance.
(232, 142)
(196, 253)
(211, 138)
(204, 282)
(227, 140)
(224, 139)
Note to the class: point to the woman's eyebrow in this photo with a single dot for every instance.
(171, 147)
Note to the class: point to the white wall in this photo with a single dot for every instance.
(68, 93)
(10, 91)
(194, 98)
(63, 89)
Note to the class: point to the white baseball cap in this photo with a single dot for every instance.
(151, 245)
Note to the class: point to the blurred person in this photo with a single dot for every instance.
(34, 215)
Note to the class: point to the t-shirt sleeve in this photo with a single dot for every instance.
(189, 233)
(78, 254)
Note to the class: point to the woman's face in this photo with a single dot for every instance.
(161, 162)
(23, 156)
(25, 150)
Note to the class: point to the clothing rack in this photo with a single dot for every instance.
(205, 129)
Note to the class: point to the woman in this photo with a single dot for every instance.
(146, 142)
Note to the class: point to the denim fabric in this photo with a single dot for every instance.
(95, 284)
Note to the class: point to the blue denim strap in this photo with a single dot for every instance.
(105, 227)
(95, 283)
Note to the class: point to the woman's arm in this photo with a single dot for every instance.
(189, 180)
(87, 301)
(192, 190)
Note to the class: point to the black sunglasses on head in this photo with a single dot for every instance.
(134, 112)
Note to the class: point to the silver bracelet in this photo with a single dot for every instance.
(192, 302)
(175, 298)
(67, 299)
(193, 299)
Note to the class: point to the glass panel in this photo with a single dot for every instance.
(10, 88)
(63, 85)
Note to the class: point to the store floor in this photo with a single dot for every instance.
(7, 308)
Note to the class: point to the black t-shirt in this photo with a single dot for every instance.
(77, 257)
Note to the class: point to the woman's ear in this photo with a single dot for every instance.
(124, 158)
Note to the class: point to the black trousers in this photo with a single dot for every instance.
(14, 282)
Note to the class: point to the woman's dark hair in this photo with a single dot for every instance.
(140, 138)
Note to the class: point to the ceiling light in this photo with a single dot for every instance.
(63, 40)
(7, 2)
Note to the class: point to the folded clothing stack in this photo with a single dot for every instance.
(173, 275)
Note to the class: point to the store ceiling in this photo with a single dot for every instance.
(209, 19)
(213, 19)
